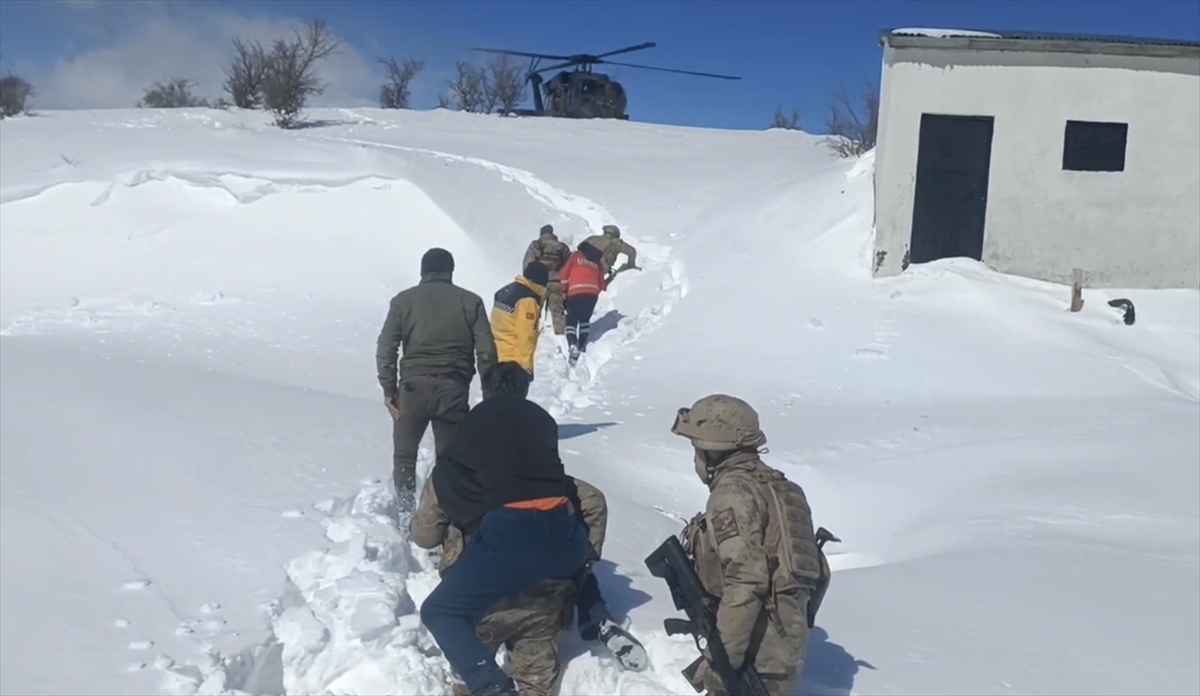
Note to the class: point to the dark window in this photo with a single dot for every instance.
(1094, 146)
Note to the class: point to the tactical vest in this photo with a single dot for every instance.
(788, 538)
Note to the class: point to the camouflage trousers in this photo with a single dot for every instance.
(554, 305)
(528, 627)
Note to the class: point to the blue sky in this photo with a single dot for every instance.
(790, 53)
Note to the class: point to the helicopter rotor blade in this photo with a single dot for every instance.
(522, 54)
(558, 66)
(672, 70)
(628, 49)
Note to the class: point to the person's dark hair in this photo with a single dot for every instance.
(507, 379)
(437, 260)
(537, 274)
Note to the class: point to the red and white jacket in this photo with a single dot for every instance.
(581, 276)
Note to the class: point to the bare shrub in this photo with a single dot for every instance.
(443, 101)
(396, 90)
(175, 94)
(853, 122)
(289, 75)
(786, 121)
(244, 75)
(469, 87)
(14, 95)
(505, 84)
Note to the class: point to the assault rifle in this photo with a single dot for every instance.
(670, 562)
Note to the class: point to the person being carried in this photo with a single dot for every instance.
(502, 482)
(517, 316)
(444, 332)
(611, 246)
(551, 253)
(583, 281)
(528, 624)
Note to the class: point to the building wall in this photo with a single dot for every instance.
(1136, 228)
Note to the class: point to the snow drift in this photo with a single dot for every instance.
(189, 302)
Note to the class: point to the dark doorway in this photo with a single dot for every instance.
(950, 201)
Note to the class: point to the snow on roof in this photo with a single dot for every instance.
(940, 33)
(1040, 36)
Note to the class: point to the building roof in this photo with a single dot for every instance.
(1058, 42)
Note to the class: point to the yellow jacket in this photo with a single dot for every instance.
(516, 321)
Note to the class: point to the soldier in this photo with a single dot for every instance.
(517, 316)
(753, 546)
(611, 246)
(551, 253)
(444, 332)
(528, 624)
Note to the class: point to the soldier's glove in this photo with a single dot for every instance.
(393, 406)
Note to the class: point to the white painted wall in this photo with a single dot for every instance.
(1136, 228)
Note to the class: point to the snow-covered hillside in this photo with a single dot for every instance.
(194, 452)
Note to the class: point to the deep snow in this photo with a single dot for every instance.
(193, 449)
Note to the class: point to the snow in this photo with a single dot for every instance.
(944, 33)
(195, 453)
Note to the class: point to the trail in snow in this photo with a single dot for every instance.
(347, 622)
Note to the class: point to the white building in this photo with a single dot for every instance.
(1038, 154)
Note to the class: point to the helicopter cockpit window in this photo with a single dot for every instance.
(589, 88)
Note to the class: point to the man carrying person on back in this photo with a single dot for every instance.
(551, 253)
(444, 333)
(528, 624)
(502, 482)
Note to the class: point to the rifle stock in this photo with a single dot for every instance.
(671, 563)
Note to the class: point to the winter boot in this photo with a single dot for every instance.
(629, 651)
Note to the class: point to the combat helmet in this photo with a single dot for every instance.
(611, 231)
(720, 423)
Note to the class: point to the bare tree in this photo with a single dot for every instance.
(244, 76)
(290, 77)
(14, 93)
(443, 101)
(468, 87)
(785, 120)
(175, 94)
(396, 91)
(505, 84)
(853, 122)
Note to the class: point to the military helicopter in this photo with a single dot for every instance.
(581, 93)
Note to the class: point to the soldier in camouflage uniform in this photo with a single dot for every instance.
(551, 253)
(529, 623)
(753, 546)
(611, 246)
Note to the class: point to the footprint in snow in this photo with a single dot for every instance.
(870, 354)
(121, 623)
(214, 625)
(816, 323)
(136, 666)
(186, 628)
(293, 513)
(141, 645)
(209, 608)
(140, 584)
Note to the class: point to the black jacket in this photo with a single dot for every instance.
(504, 451)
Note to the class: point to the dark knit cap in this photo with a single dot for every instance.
(437, 260)
(537, 274)
(546, 229)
